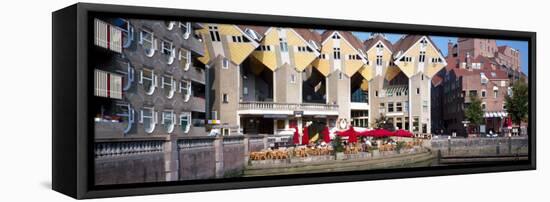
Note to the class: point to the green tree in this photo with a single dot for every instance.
(383, 122)
(517, 104)
(474, 112)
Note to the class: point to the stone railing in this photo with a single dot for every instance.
(287, 106)
(112, 149)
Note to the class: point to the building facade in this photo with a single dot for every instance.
(478, 68)
(270, 80)
(149, 95)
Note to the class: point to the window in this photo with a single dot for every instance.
(495, 93)
(390, 107)
(185, 121)
(185, 89)
(225, 98)
(239, 39)
(415, 124)
(214, 115)
(225, 63)
(473, 93)
(107, 84)
(483, 106)
(107, 36)
(376, 93)
(264, 48)
(185, 59)
(406, 106)
(127, 31)
(423, 43)
(214, 33)
(169, 86)
(245, 90)
(322, 56)
(417, 91)
(483, 93)
(336, 36)
(336, 53)
(167, 48)
(170, 24)
(148, 42)
(379, 60)
(340, 75)
(422, 56)
(185, 29)
(292, 78)
(283, 44)
(379, 47)
(148, 119)
(398, 107)
(406, 59)
(126, 112)
(168, 120)
(148, 80)
(382, 107)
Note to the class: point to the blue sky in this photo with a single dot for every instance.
(441, 43)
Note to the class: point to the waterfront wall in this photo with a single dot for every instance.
(481, 146)
(185, 158)
(129, 162)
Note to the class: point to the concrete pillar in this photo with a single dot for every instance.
(171, 168)
(218, 148)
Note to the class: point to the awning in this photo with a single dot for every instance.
(496, 114)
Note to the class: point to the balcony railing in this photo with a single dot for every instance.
(287, 106)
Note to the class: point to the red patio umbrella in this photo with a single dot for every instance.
(326, 135)
(365, 133)
(296, 137)
(380, 133)
(350, 133)
(305, 136)
(403, 133)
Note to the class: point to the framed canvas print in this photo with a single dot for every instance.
(158, 100)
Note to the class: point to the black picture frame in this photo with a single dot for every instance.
(71, 128)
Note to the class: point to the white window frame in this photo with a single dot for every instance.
(167, 48)
(188, 30)
(187, 94)
(153, 81)
(185, 55)
(168, 81)
(129, 31)
(129, 77)
(283, 44)
(149, 52)
(185, 115)
(379, 60)
(168, 116)
(129, 115)
(153, 117)
(225, 63)
(170, 25)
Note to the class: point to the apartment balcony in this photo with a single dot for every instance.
(260, 108)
